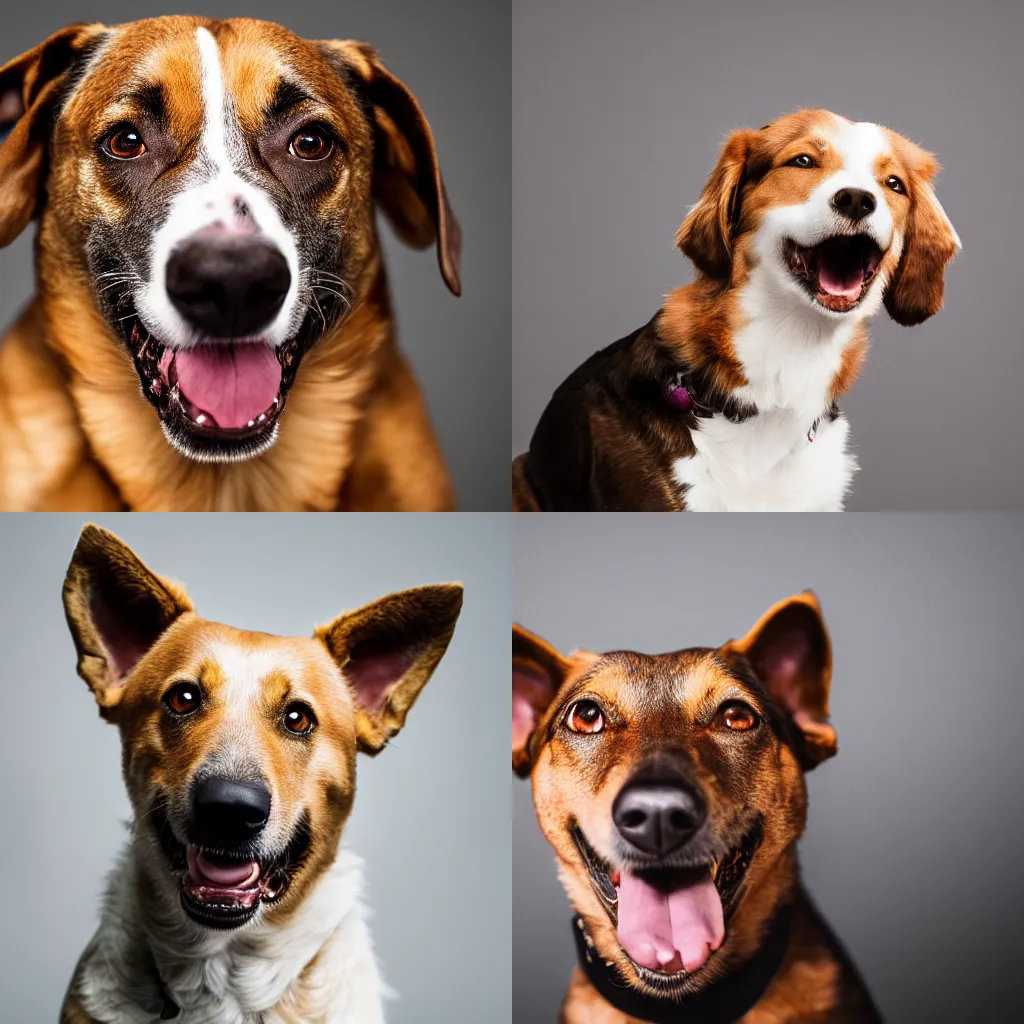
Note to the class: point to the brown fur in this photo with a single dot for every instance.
(355, 433)
(670, 702)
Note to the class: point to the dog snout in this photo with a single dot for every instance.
(228, 812)
(658, 810)
(228, 285)
(854, 203)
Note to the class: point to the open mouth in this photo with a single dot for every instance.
(837, 272)
(218, 401)
(224, 889)
(670, 921)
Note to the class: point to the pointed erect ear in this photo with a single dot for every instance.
(407, 182)
(930, 242)
(706, 236)
(538, 671)
(116, 609)
(790, 653)
(30, 86)
(388, 650)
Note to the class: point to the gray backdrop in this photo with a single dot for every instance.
(620, 112)
(455, 56)
(911, 849)
(435, 841)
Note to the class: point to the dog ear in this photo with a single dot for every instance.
(30, 87)
(538, 671)
(387, 650)
(706, 233)
(116, 609)
(407, 182)
(930, 242)
(790, 653)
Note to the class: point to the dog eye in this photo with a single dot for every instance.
(313, 142)
(125, 143)
(584, 716)
(737, 717)
(183, 698)
(894, 183)
(299, 719)
(803, 160)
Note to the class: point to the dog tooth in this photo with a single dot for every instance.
(262, 417)
(201, 419)
(252, 423)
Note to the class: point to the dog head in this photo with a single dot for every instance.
(672, 787)
(211, 184)
(239, 748)
(840, 215)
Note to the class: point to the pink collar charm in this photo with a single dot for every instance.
(677, 394)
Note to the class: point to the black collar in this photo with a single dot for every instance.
(723, 1002)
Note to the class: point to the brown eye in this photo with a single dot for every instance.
(894, 183)
(803, 160)
(126, 143)
(737, 717)
(311, 143)
(183, 698)
(585, 716)
(298, 719)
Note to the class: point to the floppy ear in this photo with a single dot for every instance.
(538, 671)
(790, 653)
(706, 234)
(407, 182)
(387, 650)
(116, 609)
(30, 87)
(915, 291)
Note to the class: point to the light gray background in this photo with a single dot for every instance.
(455, 56)
(435, 839)
(620, 112)
(914, 828)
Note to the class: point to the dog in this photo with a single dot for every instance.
(726, 399)
(231, 903)
(212, 328)
(672, 790)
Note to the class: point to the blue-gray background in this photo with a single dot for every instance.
(620, 112)
(455, 56)
(430, 817)
(914, 828)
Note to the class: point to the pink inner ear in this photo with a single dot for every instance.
(781, 665)
(373, 670)
(10, 106)
(125, 641)
(530, 694)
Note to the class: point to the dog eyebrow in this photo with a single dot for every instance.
(150, 98)
(287, 96)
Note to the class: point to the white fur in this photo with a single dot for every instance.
(212, 190)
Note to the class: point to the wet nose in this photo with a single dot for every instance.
(228, 287)
(658, 815)
(854, 203)
(228, 812)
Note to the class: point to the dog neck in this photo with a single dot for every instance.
(724, 1002)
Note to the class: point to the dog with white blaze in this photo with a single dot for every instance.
(212, 328)
(232, 903)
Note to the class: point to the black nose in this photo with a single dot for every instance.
(228, 287)
(658, 812)
(854, 203)
(228, 812)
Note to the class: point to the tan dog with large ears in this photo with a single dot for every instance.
(232, 901)
(212, 329)
(672, 790)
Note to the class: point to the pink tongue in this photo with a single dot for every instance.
(227, 875)
(670, 931)
(847, 285)
(233, 383)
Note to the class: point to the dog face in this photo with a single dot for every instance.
(840, 216)
(212, 183)
(238, 748)
(672, 789)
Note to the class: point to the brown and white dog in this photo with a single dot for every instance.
(232, 903)
(671, 788)
(726, 399)
(207, 255)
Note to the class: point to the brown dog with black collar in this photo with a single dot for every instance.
(212, 328)
(672, 790)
